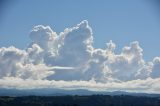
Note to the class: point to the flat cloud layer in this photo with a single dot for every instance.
(69, 61)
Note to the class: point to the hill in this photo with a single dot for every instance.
(94, 100)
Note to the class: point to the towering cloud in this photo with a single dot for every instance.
(69, 60)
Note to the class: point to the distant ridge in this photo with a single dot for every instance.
(62, 92)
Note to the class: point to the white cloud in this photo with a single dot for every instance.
(125, 65)
(43, 36)
(69, 60)
(149, 85)
(156, 68)
(9, 58)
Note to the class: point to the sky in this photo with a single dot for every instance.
(120, 21)
(95, 45)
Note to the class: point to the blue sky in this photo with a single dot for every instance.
(121, 21)
(43, 59)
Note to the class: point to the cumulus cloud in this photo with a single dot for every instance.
(156, 68)
(69, 60)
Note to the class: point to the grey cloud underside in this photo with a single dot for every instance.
(69, 60)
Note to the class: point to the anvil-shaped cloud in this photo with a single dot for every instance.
(69, 61)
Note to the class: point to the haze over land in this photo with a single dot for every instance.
(69, 61)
